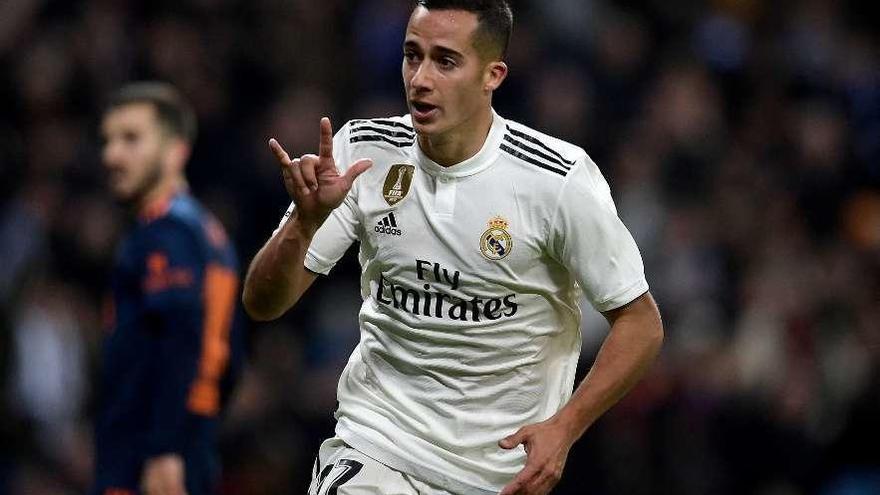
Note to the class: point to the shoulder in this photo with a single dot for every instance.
(190, 227)
(559, 173)
(544, 155)
(185, 214)
(389, 133)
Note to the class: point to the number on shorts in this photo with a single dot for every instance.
(345, 469)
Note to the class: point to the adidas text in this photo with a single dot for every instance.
(382, 229)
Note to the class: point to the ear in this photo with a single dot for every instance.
(177, 154)
(495, 74)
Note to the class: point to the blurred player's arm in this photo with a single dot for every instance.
(277, 277)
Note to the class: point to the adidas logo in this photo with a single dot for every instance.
(388, 225)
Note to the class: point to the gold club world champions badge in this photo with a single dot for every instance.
(397, 183)
(495, 242)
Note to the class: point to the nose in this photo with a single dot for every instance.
(111, 152)
(421, 79)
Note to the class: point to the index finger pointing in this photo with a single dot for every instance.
(325, 149)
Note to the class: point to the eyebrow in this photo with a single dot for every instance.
(449, 51)
(441, 49)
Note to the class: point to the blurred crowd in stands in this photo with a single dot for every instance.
(741, 139)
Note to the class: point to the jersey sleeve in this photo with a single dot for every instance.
(188, 302)
(588, 237)
(340, 229)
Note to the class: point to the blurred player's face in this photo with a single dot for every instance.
(448, 82)
(136, 151)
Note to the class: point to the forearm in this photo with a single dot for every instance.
(277, 277)
(629, 349)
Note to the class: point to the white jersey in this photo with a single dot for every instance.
(470, 320)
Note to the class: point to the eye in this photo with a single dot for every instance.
(447, 62)
(130, 137)
(410, 56)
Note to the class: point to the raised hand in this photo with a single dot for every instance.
(312, 181)
(547, 445)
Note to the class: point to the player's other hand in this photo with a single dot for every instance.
(547, 444)
(163, 475)
(312, 181)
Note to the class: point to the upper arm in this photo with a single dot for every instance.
(589, 239)
(643, 308)
(308, 278)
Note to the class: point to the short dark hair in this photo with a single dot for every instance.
(495, 19)
(173, 111)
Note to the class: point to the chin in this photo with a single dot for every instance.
(121, 194)
(123, 197)
(426, 129)
(421, 129)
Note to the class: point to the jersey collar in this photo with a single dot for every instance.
(159, 207)
(477, 163)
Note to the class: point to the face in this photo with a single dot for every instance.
(448, 83)
(135, 150)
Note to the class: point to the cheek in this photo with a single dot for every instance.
(468, 96)
(106, 157)
(144, 154)
(135, 164)
(133, 160)
(406, 74)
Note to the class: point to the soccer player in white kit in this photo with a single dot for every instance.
(477, 236)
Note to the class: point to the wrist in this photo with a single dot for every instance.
(572, 422)
(304, 226)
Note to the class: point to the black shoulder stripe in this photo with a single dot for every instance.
(537, 152)
(377, 137)
(535, 140)
(394, 123)
(397, 134)
(388, 122)
(527, 158)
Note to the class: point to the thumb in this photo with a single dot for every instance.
(512, 441)
(356, 169)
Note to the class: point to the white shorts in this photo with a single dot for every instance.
(342, 470)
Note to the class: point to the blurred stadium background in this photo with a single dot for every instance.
(741, 139)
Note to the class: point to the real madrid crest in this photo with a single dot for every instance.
(397, 183)
(495, 242)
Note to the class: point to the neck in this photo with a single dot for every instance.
(156, 197)
(460, 143)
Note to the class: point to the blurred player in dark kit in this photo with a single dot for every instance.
(172, 341)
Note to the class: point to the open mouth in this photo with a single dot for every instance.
(422, 110)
